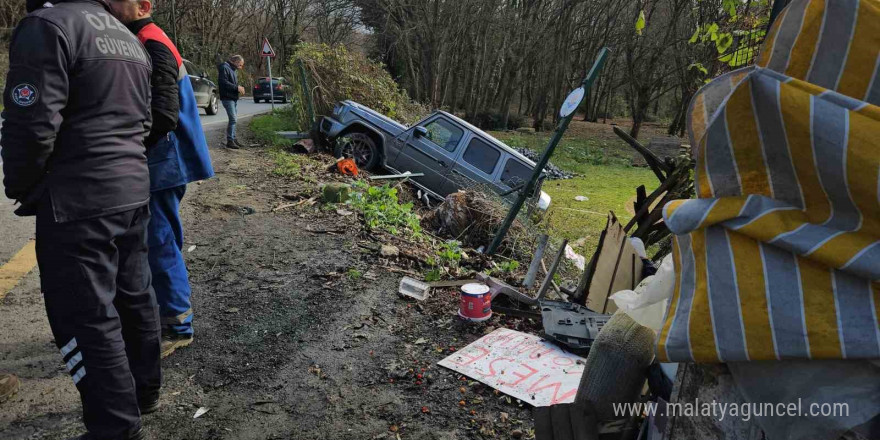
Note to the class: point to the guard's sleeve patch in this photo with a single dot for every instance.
(24, 95)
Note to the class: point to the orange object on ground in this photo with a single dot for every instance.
(347, 167)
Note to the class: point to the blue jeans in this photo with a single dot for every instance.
(170, 277)
(231, 110)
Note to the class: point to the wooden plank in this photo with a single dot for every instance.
(543, 423)
(561, 419)
(617, 266)
(584, 425)
(566, 421)
(656, 165)
(649, 201)
(641, 197)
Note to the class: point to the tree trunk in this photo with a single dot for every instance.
(637, 119)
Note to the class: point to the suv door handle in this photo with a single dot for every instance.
(442, 163)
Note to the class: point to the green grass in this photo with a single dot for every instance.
(609, 188)
(264, 127)
(572, 154)
(354, 274)
(286, 164)
(606, 177)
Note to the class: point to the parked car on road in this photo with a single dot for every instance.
(280, 90)
(451, 153)
(205, 90)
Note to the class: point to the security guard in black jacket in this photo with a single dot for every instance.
(77, 108)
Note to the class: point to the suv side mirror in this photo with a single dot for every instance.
(204, 74)
(420, 131)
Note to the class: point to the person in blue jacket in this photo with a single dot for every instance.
(230, 91)
(177, 154)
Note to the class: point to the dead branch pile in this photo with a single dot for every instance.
(676, 182)
(472, 218)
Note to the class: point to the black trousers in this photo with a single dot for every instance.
(95, 279)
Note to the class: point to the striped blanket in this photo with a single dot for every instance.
(779, 256)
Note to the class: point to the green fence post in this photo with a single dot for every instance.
(307, 92)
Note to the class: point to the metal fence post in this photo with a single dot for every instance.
(545, 157)
(310, 107)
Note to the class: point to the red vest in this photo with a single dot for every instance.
(153, 32)
(190, 149)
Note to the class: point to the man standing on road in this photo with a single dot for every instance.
(176, 156)
(77, 108)
(229, 94)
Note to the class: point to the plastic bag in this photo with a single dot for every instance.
(647, 304)
(579, 261)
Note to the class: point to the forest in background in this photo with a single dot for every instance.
(490, 60)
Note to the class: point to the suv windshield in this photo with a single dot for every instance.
(264, 81)
(444, 134)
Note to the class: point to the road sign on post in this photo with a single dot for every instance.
(266, 49)
(268, 53)
(565, 113)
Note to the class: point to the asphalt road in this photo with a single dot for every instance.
(246, 107)
(16, 231)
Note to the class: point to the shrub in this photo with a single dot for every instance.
(382, 210)
(335, 74)
(515, 121)
(446, 260)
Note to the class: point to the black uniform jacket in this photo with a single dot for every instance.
(77, 109)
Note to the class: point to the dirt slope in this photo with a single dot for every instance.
(289, 343)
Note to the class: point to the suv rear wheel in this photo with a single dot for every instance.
(360, 147)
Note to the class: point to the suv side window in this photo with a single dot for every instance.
(515, 173)
(481, 155)
(444, 134)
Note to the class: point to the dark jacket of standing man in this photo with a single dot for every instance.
(177, 154)
(229, 94)
(77, 108)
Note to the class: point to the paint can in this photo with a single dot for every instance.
(476, 302)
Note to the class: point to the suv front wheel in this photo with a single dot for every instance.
(360, 147)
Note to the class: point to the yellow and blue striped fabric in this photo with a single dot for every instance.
(779, 256)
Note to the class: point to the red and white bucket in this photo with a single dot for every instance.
(476, 302)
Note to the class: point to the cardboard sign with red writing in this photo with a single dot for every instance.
(520, 365)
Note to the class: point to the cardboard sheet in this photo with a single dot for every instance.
(616, 266)
(520, 365)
